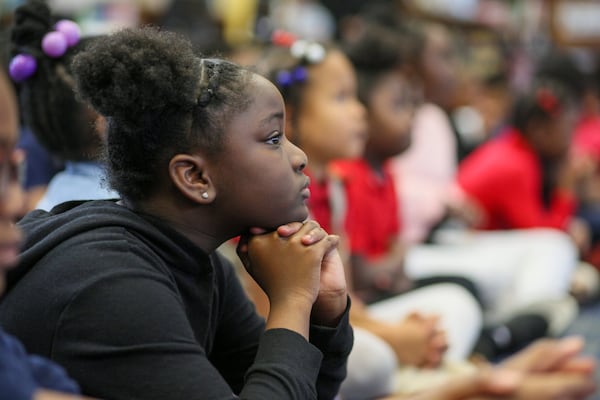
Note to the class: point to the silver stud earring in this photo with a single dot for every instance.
(204, 195)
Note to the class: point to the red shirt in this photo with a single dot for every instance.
(586, 138)
(371, 208)
(318, 202)
(505, 177)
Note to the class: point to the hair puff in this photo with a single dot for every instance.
(135, 72)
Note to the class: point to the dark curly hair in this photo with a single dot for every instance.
(380, 49)
(543, 100)
(160, 99)
(61, 122)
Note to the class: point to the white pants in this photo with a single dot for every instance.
(371, 368)
(511, 269)
(372, 362)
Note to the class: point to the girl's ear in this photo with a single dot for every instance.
(189, 174)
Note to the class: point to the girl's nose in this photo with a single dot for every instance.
(298, 157)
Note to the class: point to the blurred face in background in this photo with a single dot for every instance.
(11, 193)
(552, 137)
(439, 66)
(392, 103)
(331, 122)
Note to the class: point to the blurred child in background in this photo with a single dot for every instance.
(328, 122)
(65, 125)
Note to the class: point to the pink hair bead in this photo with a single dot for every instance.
(21, 67)
(70, 29)
(54, 44)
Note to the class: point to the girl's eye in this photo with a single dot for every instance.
(275, 139)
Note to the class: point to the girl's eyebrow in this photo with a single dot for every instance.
(276, 115)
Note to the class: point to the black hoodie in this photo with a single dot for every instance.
(134, 310)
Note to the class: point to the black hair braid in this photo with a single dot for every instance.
(32, 20)
(153, 89)
(61, 122)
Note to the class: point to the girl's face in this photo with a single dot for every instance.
(330, 123)
(439, 66)
(554, 136)
(392, 104)
(12, 199)
(258, 176)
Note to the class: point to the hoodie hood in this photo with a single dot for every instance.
(44, 231)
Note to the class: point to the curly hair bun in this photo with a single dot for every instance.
(138, 72)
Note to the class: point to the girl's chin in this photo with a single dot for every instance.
(299, 216)
(303, 214)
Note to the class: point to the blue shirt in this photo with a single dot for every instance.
(22, 374)
(78, 181)
(40, 166)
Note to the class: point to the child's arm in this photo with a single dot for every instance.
(416, 340)
(548, 369)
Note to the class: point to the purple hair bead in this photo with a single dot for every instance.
(70, 29)
(54, 44)
(21, 67)
(284, 78)
(300, 74)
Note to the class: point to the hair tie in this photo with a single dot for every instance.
(283, 38)
(547, 101)
(55, 43)
(305, 51)
(205, 97)
(209, 80)
(66, 34)
(287, 78)
(21, 67)
(70, 29)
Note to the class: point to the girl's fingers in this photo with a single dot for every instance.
(314, 236)
(546, 355)
(581, 365)
(332, 241)
(288, 230)
(310, 230)
(257, 231)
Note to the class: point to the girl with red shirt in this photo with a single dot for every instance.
(512, 273)
(524, 179)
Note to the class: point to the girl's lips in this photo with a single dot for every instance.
(305, 190)
(305, 193)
